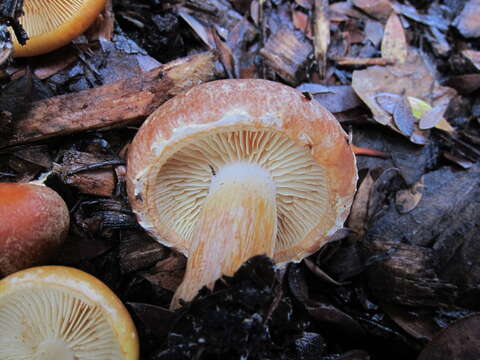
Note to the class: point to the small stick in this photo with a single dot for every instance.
(350, 61)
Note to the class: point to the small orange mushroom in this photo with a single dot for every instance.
(51, 24)
(61, 313)
(236, 168)
(34, 222)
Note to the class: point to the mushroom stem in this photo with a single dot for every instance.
(237, 221)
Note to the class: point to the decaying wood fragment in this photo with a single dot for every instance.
(82, 171)
(286, 52)
(137, 251)
(321, 31)
(112, 105)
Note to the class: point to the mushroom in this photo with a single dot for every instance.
(236, 168)
(61, 313)
(34, 222)
(51, 24)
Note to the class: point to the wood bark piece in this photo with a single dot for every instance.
(286, 52)
(112, 105)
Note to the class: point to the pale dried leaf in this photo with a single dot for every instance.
(394, 43)
(403, 117)
(419, 107)
(431, 118)
(379, 87)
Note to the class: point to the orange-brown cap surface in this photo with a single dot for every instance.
(34, 222)
(182, 145)
(61, 313)
(51, 24)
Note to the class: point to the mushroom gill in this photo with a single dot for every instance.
(51, 24)
(53, 323)
(184, 181)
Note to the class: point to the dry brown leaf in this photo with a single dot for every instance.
(394, 43)
(321, 31)
(379, 9)
(460, 341)
(418, 325)
(407, 199)
(381, 87)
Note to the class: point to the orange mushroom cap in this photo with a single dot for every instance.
(34, 222)
(51, 24)
(61, 313)
(235, 168)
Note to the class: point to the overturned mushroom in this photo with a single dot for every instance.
(51, 24)
(61, 313)
(237, 168)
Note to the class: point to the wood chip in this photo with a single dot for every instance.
(99, 182)
(113, 105)
(286, 52)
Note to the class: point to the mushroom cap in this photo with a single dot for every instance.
(297, 140)
(51, 24)
(34, 222)
(57, 312)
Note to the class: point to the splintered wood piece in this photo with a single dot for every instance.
(113, 105)
(78, 169)
(287, 54)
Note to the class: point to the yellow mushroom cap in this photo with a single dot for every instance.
(61, 313)
(51, 24)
